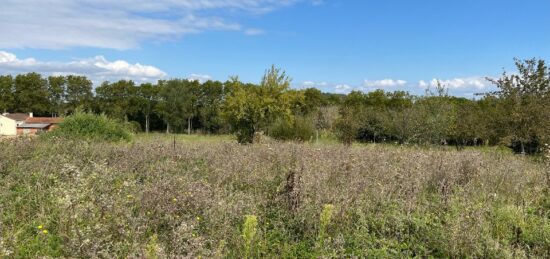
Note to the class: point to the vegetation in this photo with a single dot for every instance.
(514, 115)
(68, 198)
(91, 127)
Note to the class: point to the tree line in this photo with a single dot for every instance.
(516, 114)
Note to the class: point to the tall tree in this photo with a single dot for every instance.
(6, 93)
(178, 102)
(78, 93)
(209, 105)
(118, 99)
(31, 94)
(525, 98)
(147, 98)
(56, 89)
(250, 109)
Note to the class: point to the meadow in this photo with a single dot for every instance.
(210, 197)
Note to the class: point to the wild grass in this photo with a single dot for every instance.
(150, 198)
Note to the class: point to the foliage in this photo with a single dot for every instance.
(324, 221)
(515, 115)
(6, 93)
(30, 93)
(118, 99)
(249, 232)
(78, 94)
(300, 128)
(250, 109)
(91, 127)
(178, 102)
(524, 98)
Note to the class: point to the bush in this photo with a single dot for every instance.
(347, 127)
(91, 127)
(133, 126)
(300, 129)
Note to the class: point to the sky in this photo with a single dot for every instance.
(334, 45)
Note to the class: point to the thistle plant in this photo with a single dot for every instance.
(546, 153)
(153, 247)
(325, 218)
(249, 232)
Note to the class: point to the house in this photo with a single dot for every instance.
(10, 121)
(19, 124)
(36, 125)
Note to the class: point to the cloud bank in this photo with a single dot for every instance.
(120, 24)
(97, 69)
(463, 87)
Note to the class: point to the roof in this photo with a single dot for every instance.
(34, 125)
(17, 116)
(44, 120)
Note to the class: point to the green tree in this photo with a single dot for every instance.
(78, 93)
(147, 99)
(56, 89)
(524, 99)
(117, 100)
(31, 94)
(209, 105)
(250, 109)
(313, 100)
(6, 93)
(178, 102)
(352, 113)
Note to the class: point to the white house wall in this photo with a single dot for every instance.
(8, 127)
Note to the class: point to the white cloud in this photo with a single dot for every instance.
(343, 89)
(98, 68)
(457, 83)
(422, 84)
(384, 83)
(314, 84)
(121, 24)
(254, 32)
(199, 77)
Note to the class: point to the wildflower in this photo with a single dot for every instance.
(129, 196)
(40, 227)
(198, 218)
(45, 231)
(174, 200)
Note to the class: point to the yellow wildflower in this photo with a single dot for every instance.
(40, 227)
(45, 231)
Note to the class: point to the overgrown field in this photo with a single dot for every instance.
(154, 199)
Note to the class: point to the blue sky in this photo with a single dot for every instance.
(335, 45)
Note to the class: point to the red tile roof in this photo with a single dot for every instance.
(17, 116)
(46, 120)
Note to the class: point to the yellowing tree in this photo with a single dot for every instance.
(249, 108)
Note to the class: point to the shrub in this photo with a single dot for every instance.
(133, 126)
(300, 129)
(91, 127)
(347, 127)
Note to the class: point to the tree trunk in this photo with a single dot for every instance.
(167, 128)
(316, 136)
(147, 123)
(522, 148)
(189, 126)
